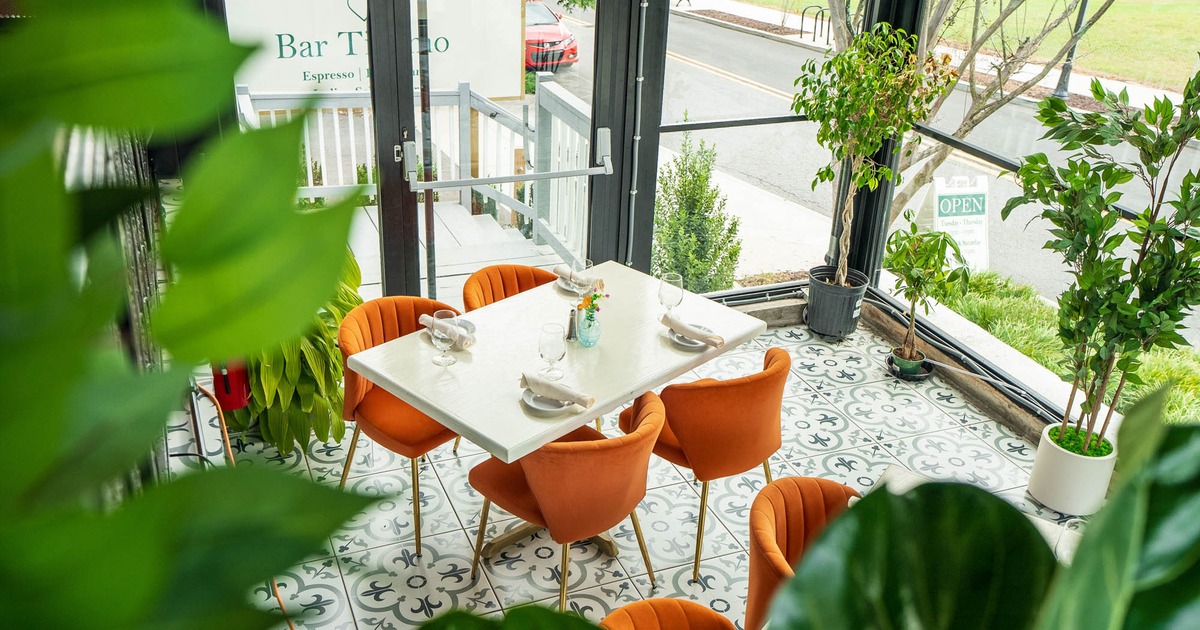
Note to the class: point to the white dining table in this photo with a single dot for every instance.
(479, 397)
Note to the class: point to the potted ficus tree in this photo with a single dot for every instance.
(1133, 283)
(872, 92)
(924, 263)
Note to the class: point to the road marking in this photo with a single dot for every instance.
(725, 74)
(576, 21)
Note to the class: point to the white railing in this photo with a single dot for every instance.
(471, 137)
(563, 136)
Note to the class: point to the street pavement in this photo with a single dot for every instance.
(720, 73)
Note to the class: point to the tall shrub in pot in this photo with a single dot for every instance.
(1133, 283)
(873, 91)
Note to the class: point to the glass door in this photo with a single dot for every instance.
(501, 152)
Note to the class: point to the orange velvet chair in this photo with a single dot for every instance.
(723, 428)
(576, 487)
(389, 421)
(665, 614)
(492, 284)
(785, 518)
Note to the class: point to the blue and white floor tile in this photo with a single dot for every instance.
(958, 455)
(314, 596)
(888, 410)
(395, 585)
(390, 520)
(843, 418)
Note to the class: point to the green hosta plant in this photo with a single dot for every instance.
(296, 387)
(925, 264)
(872, 92)
(1133, 283)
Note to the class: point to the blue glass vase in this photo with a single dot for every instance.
(588, 330)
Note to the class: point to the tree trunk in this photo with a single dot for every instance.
(1099, 400)
(1070, 403)
(1112, 406)
(843, 260)
(908, 347)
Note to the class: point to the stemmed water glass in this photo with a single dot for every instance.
(553, 346)
(444, 334)
(580, 269)
(670, 291)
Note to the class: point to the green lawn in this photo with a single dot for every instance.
(1016, 315)
(1148, 42)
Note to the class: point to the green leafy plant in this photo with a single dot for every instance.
(180, 553)
(925, 264)
(693, 235)
(954, 556)
(1118, 306)
(871, 92)
(296, 387)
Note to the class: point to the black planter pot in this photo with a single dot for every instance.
(833, 310)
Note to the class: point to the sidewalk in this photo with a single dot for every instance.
(1079, 83)
(777, 234)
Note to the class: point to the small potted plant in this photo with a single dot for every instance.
(1133, 282)
(924, 263)
(870, 93)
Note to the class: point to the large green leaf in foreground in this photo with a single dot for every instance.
(251, 269)
(134, 64)
(940, 556)
(182, 555)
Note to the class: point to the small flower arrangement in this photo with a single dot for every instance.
(591, 304)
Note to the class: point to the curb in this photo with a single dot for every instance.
(1024, 101)
(747, 30)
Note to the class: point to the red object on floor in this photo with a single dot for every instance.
(231, 384)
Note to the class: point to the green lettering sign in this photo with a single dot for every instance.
(962, 205)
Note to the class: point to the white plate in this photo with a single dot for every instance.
(690, 344)
(564, 285)
(541, 403)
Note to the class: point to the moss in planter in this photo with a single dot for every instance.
(1073, 441)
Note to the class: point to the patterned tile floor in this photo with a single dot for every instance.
(844, 418)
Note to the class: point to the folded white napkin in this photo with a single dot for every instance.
(465, 339)
(555, 391)
(566, 273)
(691, 332)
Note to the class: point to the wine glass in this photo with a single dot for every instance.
(444, 334)
(580, 270)
(670, 291)
(552, 345)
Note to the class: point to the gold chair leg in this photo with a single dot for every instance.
(349, 457)
(562, 580)
(637, 529)
(597, 424)
(700, 532)
(457, 441)
(487, 503)
(416, 491)
(767, 470)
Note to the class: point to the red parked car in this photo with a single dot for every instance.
(549, 44)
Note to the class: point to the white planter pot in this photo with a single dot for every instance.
(1068, 482)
